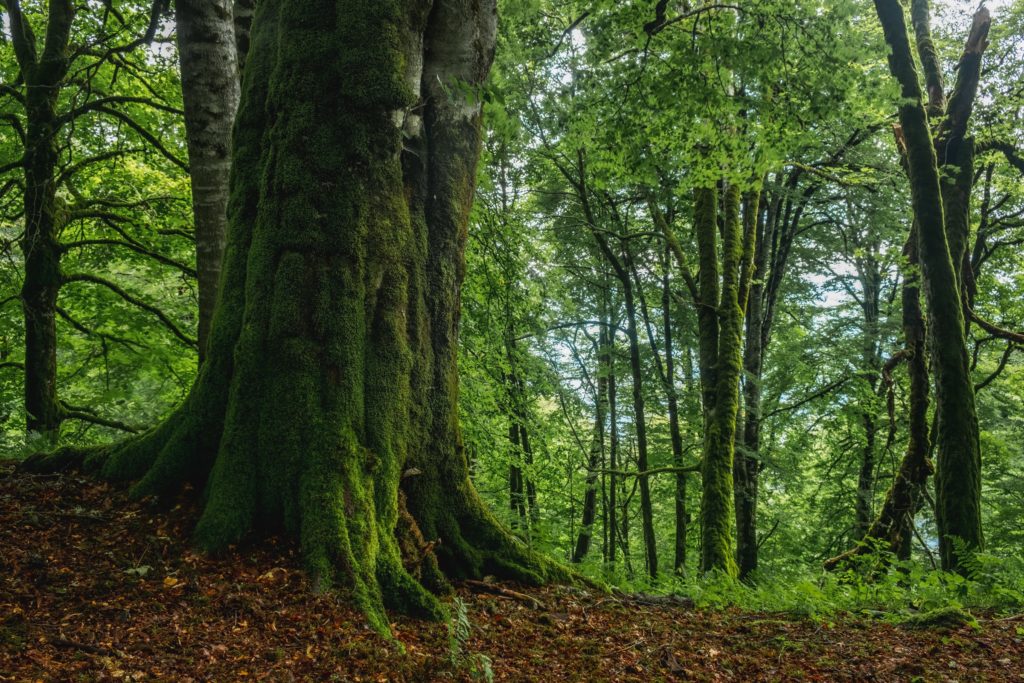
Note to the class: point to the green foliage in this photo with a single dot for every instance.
(476, 664)
(895, 591)
(755, 92)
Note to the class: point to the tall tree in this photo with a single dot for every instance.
(209, 83)
(939, 209)
(60, 89)
(327, 403)
(722, 298)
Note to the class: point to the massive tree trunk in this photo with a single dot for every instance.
(209, 85)
(958, 477)
(43, 74)
(326, 407)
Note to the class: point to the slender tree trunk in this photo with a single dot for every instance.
(866, 477)
(326, 407)
(639, 413)
(892, 525)
(210, 90)
(528, 481)
(613, 461)
(666, 374)
(871, 281)
(620, 266)
(516, 493)
(682, 517)
(747, 463)
(596, 443)
(43, 74)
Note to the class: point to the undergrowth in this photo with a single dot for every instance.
(874, 584)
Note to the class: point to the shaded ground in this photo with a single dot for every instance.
(93, 587)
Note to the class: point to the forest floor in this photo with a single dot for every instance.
(94, 587)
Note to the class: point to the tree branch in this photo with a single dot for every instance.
(999, 368)
(1008, 150)
(137, 248)
(656, 470)
(832, 386)
(135, 301)
(101, 105)
(88, 331)
(997, 331)
(70, 412)
(144, 134)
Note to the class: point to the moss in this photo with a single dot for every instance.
(331, 364)
(944, 618)
(958, 474)
(722, 388)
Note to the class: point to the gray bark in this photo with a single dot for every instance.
(210, 89)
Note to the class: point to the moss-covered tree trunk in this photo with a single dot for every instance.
(893, 524)
(720, 318)
(326, 407)
(43, 74)
(958, 476)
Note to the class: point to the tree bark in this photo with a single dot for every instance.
(210, 90)
(958, 478)
(596, 453)
(43, 74)
(893, 524)
(721, 314)
(326, 407)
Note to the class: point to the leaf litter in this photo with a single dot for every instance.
(94, 587)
